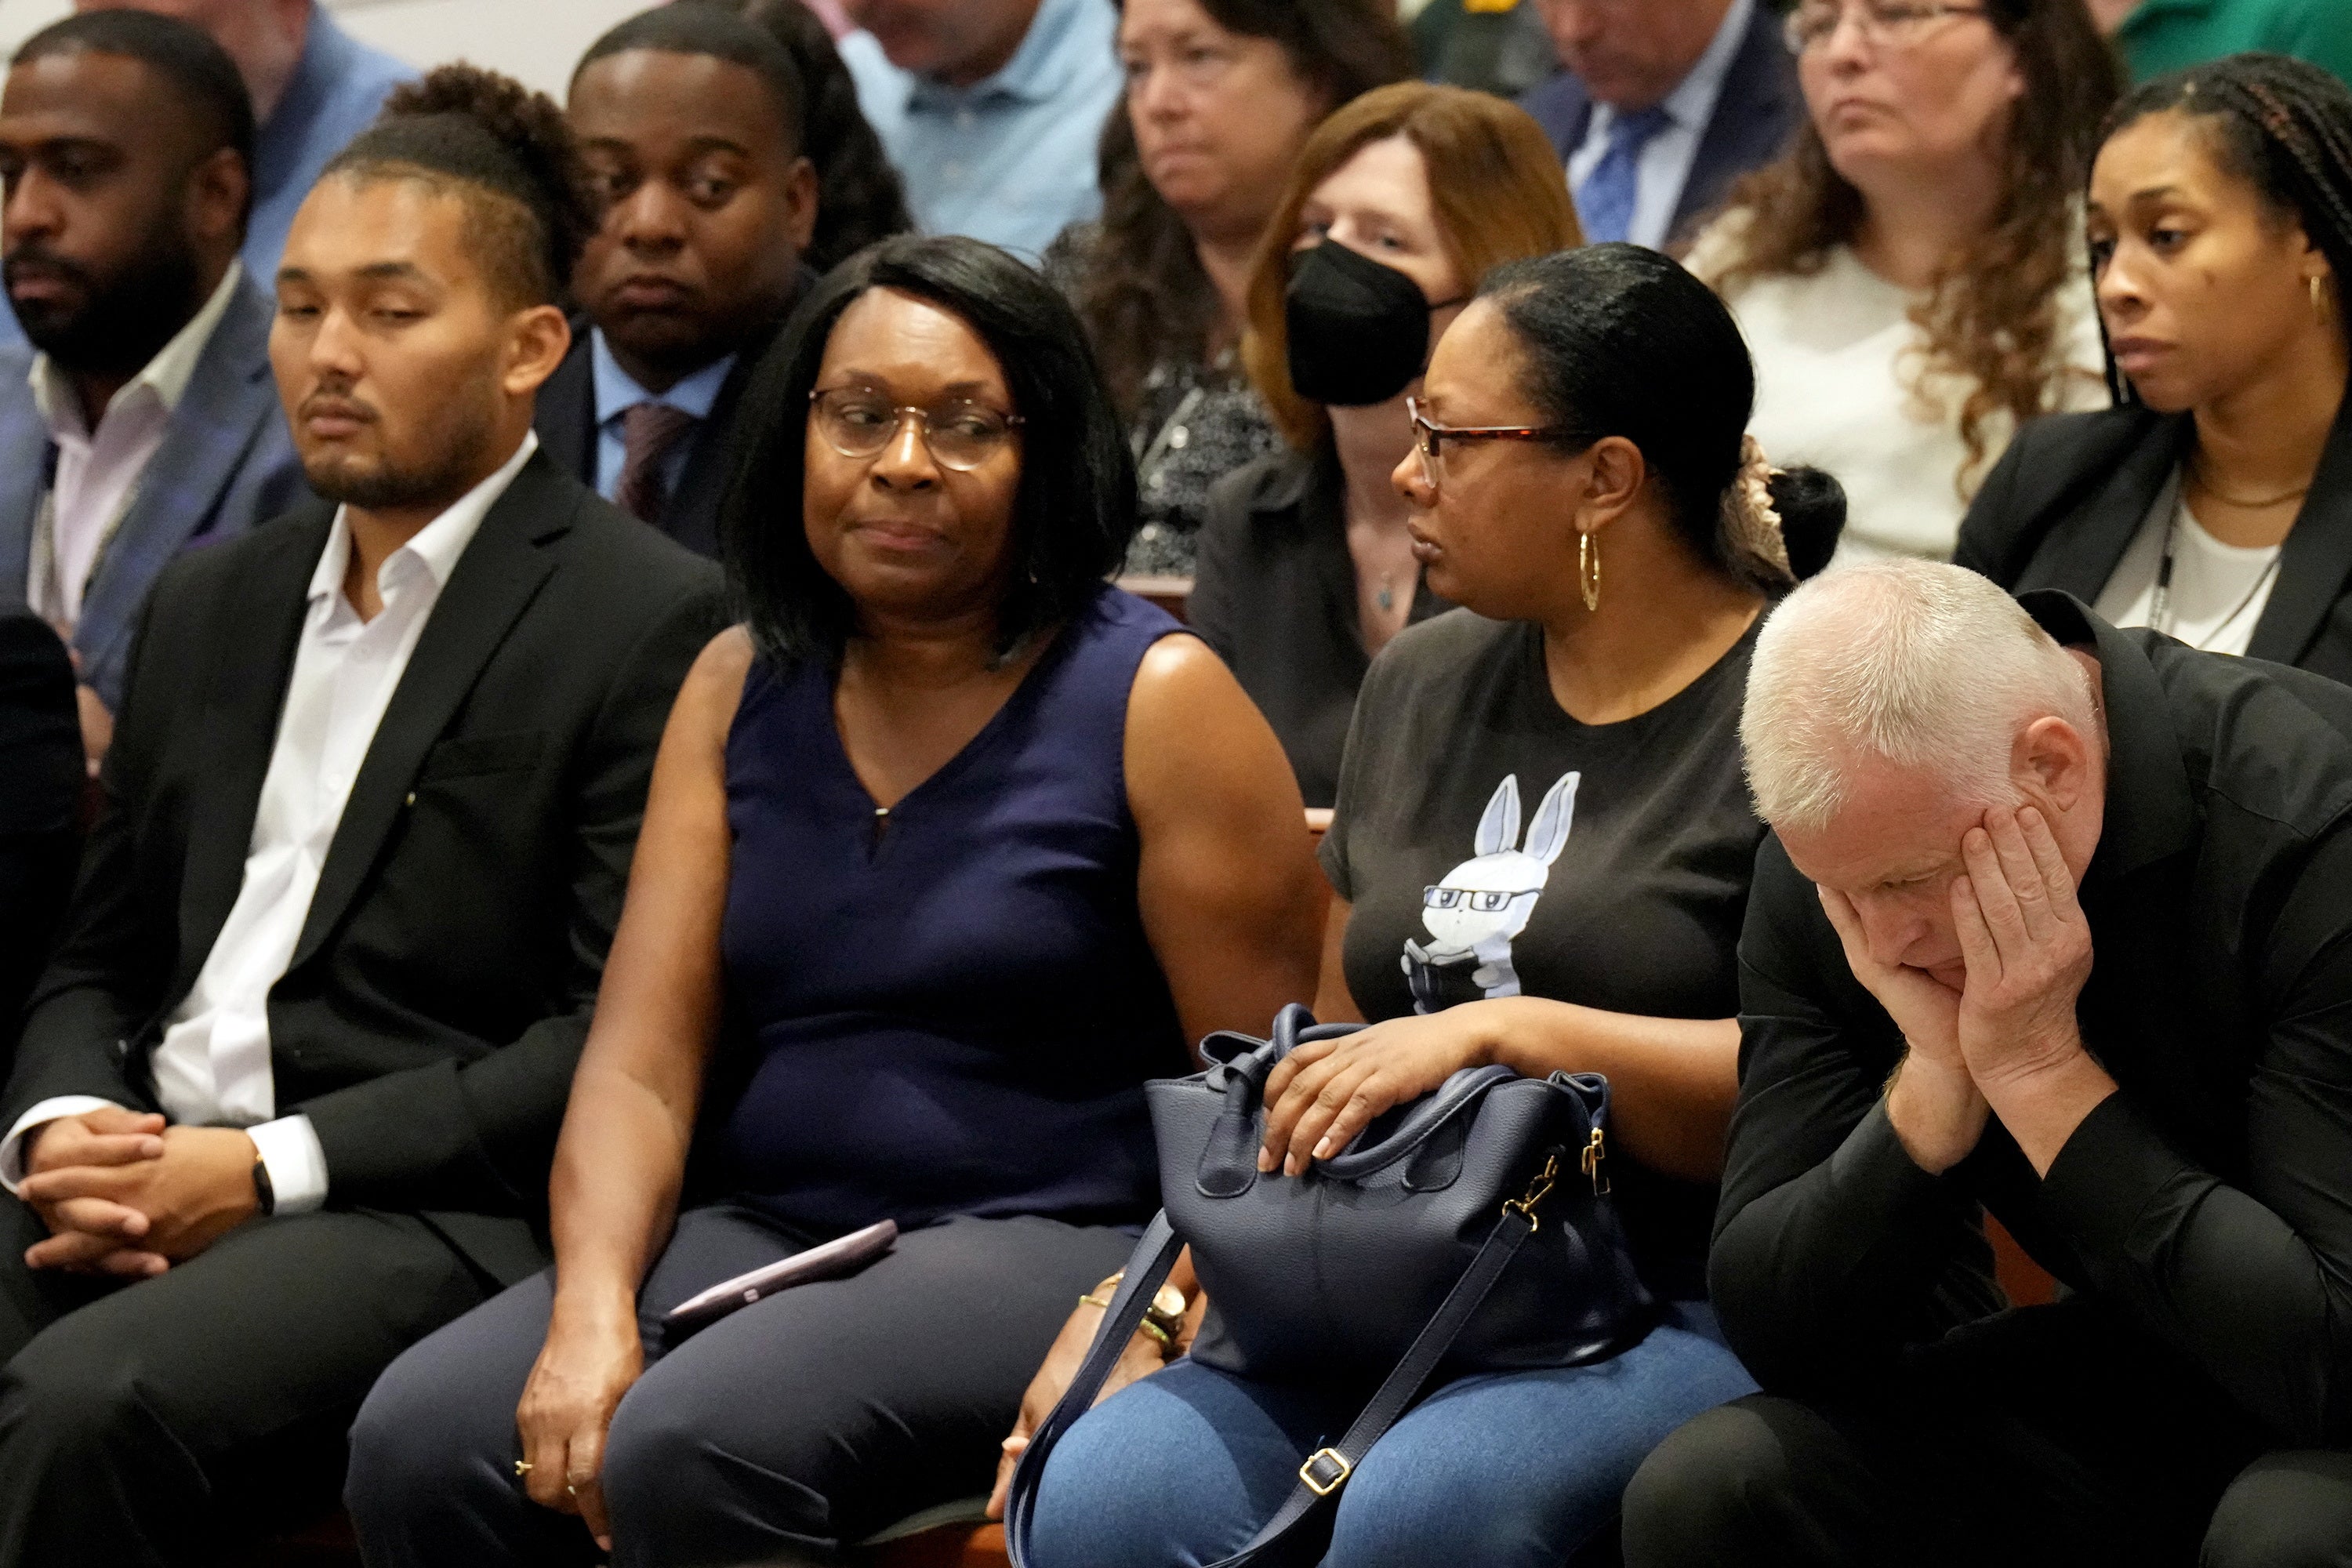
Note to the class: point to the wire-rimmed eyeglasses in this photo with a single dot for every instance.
(1884, 23)
(959, 434)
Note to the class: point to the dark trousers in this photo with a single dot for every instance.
(163, 1421)
(2047, 1437)
(778, 1435)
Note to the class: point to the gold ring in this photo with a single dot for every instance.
(522, 1467)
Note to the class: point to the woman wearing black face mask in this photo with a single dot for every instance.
(1400, 203)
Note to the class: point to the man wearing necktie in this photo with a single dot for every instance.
(690, 119)
(1662, 105)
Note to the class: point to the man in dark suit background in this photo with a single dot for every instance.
(1662, 105)
(40, 795)
(286, 1096)
(690, 118)
(147, 421)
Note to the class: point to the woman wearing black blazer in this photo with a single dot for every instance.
(2215, 503)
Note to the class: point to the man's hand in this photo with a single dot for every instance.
(1937, 1111)
(2027, 948)
(97, 727)
(197, 1189)
(99, 1236)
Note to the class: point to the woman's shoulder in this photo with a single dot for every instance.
(1070, 256)
(1270, 484)
(1450, 651)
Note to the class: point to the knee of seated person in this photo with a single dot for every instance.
(2281, 1514)
(1101, 1503)
(400, 1452)
(63, 1397)
(1687, 1502)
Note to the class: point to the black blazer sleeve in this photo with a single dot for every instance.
(40, 787)
(1833, 1248)
(433, 1135)
(1211, 610)
(112, 964)
(2250, 1280)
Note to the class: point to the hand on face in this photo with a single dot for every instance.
(2027, 945)
(1926, 1010)
(124, 1194)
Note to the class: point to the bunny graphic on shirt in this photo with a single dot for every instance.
(1483, 903)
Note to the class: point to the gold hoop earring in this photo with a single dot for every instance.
(2319, 300)
(1588, 570)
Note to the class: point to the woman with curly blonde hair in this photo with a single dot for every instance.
(1910, 274)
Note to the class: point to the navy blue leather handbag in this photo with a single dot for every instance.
(1470, 1231)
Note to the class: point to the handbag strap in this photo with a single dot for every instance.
(1327, 1470)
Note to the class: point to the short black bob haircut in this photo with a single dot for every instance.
(1621, 341)
(198, 69)
(1075, 507)
(719, 35)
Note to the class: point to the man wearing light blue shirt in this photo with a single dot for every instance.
(991, 109)
(1662, 105)
(314, 88)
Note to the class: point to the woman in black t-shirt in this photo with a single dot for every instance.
(1541, 856)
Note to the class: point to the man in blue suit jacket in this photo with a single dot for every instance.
(148, 419)
(1662, 106)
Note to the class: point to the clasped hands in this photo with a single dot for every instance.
(125, 1196)
(2006, 1042)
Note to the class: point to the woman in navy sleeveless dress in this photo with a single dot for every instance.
(948, 851)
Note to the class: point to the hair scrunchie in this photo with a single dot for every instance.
(1751, 524)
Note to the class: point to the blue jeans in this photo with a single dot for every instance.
(1498, 1470)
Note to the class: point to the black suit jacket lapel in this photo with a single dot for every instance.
(260, 627)
(566, 417)
(2086, 542)
(2315, 559)
(1753, 114)
(495, 581)
(692, 515)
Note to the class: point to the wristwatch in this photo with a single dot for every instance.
(265, 1195)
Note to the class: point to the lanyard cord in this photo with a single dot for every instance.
(2160, 609)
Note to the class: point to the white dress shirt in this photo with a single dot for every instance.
(1665, 162)
(213, 1067)
(97, 471)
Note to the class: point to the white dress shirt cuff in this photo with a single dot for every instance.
(12, 1148)
(296, 1165)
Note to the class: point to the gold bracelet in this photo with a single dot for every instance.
(1147, 1326)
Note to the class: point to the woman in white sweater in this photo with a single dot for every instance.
(1910, 275)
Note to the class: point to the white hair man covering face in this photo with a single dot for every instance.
(1967, 793)
(1935, 763)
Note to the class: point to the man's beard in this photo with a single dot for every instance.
(120, 322)
(454, 444)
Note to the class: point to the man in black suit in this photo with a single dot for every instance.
(2055, 922)
(40, 795)
(287, 1094)
(690, 118)
(1662, 105)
